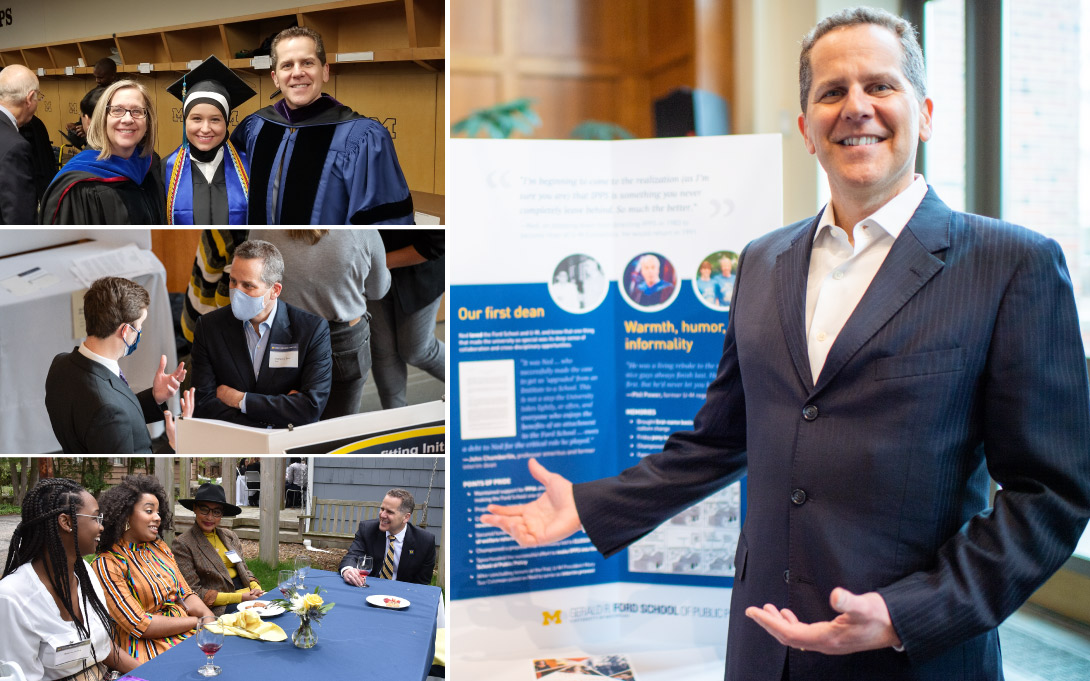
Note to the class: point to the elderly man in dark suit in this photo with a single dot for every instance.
(91, 407)
(261, 362)
(18, 101)
(400, 550)
(881, 359)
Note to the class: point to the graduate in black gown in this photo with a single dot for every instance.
(112, 183)
(206, 178)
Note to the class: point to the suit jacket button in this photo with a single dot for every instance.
(810, 412)
(787, 576)
(798, 497)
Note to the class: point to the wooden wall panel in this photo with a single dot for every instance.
(470, 91)
(581, 59)
(564, 103)
(577, 29)
(440, 170)
(405, 104)
(176, 249)
(476, 30)
(672, 76)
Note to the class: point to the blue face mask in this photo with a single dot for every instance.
(246, 307)
(132, 348)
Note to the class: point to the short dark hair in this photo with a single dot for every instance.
(106, 66)
(111, 302)
(272, 270)
(87, 104)
(117, 503)
(299, 32)
(912, 62)
(407, 503)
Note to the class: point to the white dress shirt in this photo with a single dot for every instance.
(110, 364)
(840, 273)
(398, 541)
(33, 627)
(256, 344)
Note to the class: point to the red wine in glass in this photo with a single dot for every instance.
(211, 648)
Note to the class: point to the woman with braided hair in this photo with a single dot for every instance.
(153, 606)
(49, 598)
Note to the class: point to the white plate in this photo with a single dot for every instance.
(270, 610)
(392, 602)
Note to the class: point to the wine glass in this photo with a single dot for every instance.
(302, 567)
(363, 564)
(209, 642)
(287, 583)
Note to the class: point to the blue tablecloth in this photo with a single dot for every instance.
(355, 641)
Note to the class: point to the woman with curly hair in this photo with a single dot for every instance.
(145, 591)
(48, 596)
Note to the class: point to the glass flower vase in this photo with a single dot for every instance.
(304, 636)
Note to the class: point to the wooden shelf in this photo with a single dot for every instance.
(400, 83)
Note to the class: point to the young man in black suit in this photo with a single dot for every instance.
(401, 551)
(91, 407)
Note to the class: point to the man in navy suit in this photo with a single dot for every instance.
(18, 101)
(881, 359)
(260, 362)
(91, 407)
(400, 550)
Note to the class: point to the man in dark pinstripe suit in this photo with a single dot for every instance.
(881, 360)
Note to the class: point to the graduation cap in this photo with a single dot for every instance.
(213, 83)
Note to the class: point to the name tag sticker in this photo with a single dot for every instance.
(233, 557)
(64, 655)
(284, 356)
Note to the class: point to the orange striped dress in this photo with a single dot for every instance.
(141, 580)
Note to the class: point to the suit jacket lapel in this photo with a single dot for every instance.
(235, 340)
(791, 271)
(909, 265)
(105, 374)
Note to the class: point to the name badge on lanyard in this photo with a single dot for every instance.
(284, 356)
(233, 557)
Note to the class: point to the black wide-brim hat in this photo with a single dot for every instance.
(211, 492)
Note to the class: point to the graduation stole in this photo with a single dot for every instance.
(180, 186)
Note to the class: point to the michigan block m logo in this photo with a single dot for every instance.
(550, 617)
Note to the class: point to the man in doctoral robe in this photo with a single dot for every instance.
(312, 159)
(261, 362)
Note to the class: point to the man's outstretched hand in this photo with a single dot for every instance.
(547, 519)
(863, 624)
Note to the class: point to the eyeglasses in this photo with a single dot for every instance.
(96, 517)
(214, 512)
(117, 111)
(40, 96)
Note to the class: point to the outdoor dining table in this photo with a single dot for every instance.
(355, 640)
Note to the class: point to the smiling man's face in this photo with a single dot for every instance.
(863, 119)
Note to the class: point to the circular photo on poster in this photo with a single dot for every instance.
(578, 284)
(649, 282)
(714, 279)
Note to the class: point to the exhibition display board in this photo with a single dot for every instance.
(416, 429)
(588, 313)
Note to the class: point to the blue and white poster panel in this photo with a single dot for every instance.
(590, 290)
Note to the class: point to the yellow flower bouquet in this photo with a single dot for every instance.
(311, 608)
